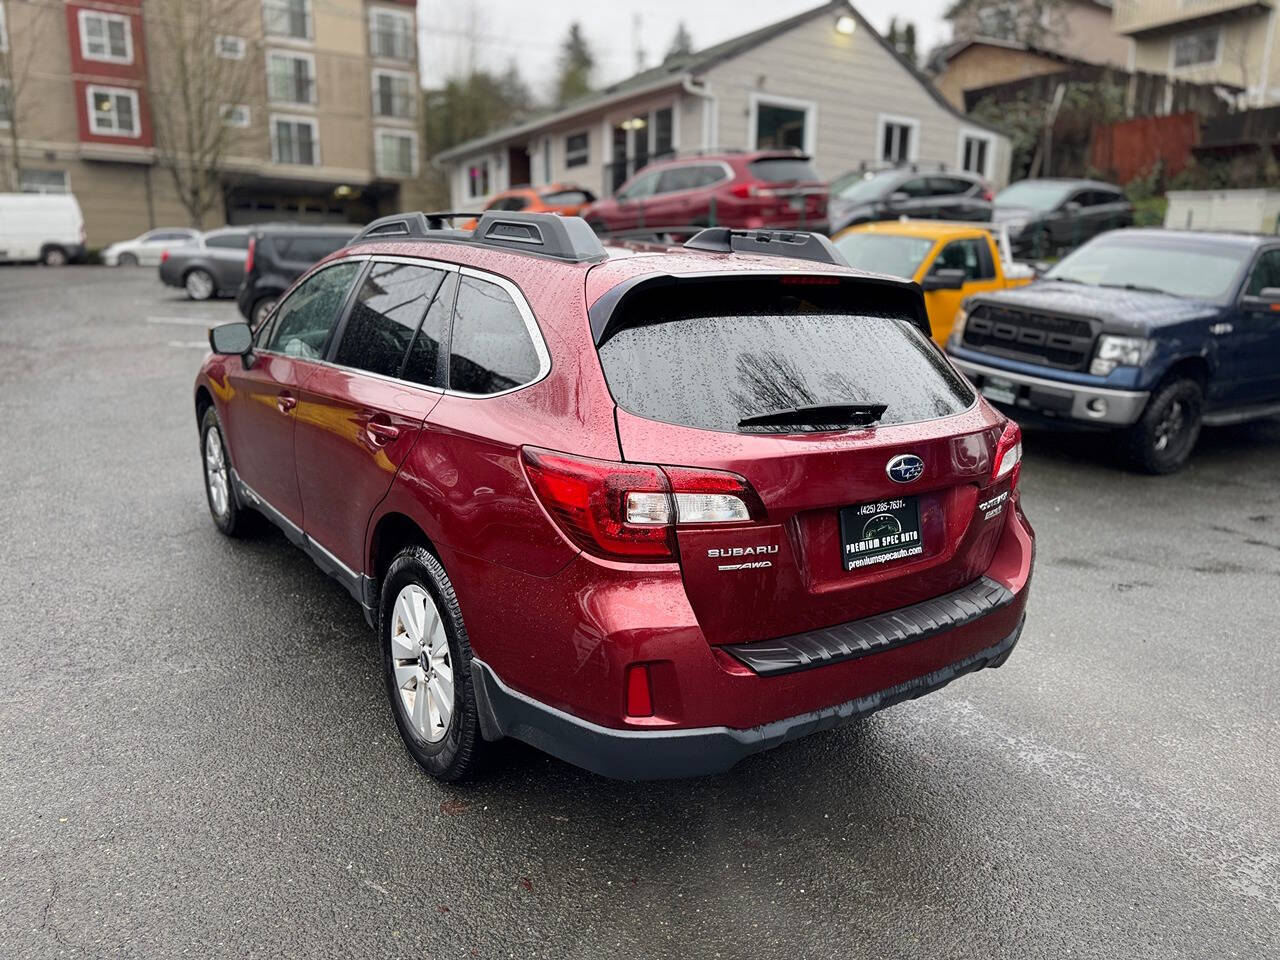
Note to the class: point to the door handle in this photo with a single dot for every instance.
(380, 433)
(286, 401)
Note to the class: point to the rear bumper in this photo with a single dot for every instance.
(666, 754)
(1060, 399)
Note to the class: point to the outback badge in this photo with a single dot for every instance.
(904, 468)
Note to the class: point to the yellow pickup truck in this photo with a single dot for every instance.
(950, 261)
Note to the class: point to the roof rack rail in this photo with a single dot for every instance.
(799, 244)
(545, 234)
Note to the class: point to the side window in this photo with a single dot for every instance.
(948, 186)
(228, 241)
(918, 187)
(304, 320)
(424, 356)
(965, 255)
(385, 316)
(490, 349)
(311, 250)
(683, 178)
(1266, 272)
(641, 187)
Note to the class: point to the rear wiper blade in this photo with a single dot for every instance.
(818, 414)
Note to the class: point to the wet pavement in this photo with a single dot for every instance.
(197, 756)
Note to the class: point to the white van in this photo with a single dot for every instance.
(40, 228)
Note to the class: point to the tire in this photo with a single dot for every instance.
(1166, 433)
(415, 659)
(199, 284)
(261, 307)
(54, 257)
(228, 516)
(127, 260)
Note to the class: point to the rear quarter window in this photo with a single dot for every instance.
(713, 354)
(784, 170)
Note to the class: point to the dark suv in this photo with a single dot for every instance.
(648, 511)
(278, 255)
(865, 196)
(1048, 216)
(1148, 332)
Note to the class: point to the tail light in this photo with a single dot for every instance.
(248, 259)
(987, 195)
(751, 188)
(630, 511)
(639, 695)
(1008, 459)
(164, 256)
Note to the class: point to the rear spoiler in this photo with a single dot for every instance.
(607, 315)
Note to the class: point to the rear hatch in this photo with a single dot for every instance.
(793, 183)
(868, 452)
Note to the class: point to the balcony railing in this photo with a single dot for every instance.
(392, 45)
(1142, 16)
(401, 105)
(287, 18)
(292, 89)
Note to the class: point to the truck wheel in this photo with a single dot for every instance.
(1166, 433)
(426, 660)
(52, 256)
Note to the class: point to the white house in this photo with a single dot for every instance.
(823, 81)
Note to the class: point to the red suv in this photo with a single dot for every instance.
(770, 188)
(648, 511)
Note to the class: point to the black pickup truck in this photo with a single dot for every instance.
(1151, 333)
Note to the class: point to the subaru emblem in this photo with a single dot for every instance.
(904, 468)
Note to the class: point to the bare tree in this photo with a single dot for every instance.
(200, 70)
(16, 60)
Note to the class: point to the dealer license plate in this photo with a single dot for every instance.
(872, 533)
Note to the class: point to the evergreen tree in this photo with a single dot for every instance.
(681, 43)
(576, 65)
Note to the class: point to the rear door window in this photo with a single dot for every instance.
(311, 250)
(491, 349)
(784, 170)
(948, 186)
(567, 197)
(227, 241)
(709, 355)
(385, 317)
(966, 255)
(306, 318)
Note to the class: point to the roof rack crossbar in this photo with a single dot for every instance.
(799, 244)
(548, 234)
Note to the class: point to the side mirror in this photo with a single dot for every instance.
(232, 339)
(946, 279)
(1071, 208)
(898, 197)
(1267, 300)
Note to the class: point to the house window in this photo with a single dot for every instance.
(546, 159)
(780, 124)
(44, 181)
(577, 149)
(393, 94)
(478, 179)
(663, 132)
(294, 140)
(236, 115)
(897, 138)
(976, 151)
(287, 18)
(291, 77)
(1197, 48)
(229, 47)
(105, 36)
(391, 34)
(113, 111)
(396, 153)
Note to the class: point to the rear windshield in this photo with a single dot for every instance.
(703, 356)
(784, 170)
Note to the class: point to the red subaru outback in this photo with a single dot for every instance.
(650, 512)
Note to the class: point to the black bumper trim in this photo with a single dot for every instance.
(884, 631)
(668, 754)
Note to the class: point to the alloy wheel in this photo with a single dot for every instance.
(199, 285)
(423, 664)
(215, 472)
(1171, 426)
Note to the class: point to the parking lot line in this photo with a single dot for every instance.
(185, 321)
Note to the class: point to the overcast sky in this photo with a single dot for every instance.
(491, 33)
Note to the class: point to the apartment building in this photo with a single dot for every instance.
(324, 126)
(1206, 41)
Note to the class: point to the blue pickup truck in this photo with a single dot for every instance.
(1150, 333)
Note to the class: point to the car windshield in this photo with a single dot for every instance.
(884, 252)
(1042, 195)
(1184, 268)
(860, 190)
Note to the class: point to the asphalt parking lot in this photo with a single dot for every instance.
(198, 758)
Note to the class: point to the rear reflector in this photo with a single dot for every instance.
(630, 511)
(639, 697)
